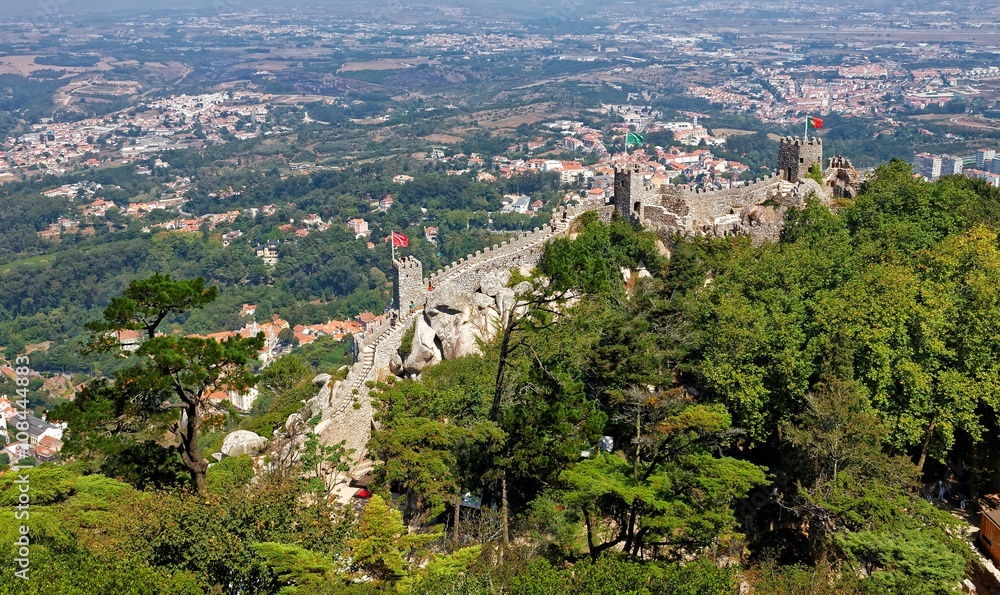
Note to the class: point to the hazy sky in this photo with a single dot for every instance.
(138, 6)
(32, 7)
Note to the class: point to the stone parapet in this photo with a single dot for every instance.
(346, 408)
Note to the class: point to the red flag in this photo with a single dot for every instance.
(400, 239)
(815, 122)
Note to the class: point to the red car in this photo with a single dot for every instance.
(363, 493)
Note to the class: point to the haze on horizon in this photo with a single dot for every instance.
(525, 9)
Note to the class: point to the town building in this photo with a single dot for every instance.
(268, 252)
(513, 203)
(243, 401)
(229, 236)
(984, 158)
(129, 340)
(951, 166)
(359, 227)
(927, 165)
(932, 167)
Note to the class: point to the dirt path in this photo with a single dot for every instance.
(975, 122)
(987, 581)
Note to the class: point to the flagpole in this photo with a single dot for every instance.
(392, 259)
(805, 133)
(624, 121)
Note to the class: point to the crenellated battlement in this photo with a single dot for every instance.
(346, 407)
(522, 249)
(796, 141)
(727, 210)
(839, 162)
(731, 190)
(407, 262)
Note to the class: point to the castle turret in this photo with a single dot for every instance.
(632, 194)
(796, 156)
(408, 284)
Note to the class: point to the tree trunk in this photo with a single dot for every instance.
(637, 544)
(508, 330)
(638, 444)
(191, 451)
(504, 528)
(414, 521)
(630, 530)
(458, 518)
(590, 534)
(925, 447)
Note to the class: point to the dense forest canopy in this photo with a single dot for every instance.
(625, 445)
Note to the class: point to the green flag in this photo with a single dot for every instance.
(633, 138)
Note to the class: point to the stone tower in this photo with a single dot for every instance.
(632, 194)
(796, 156)
(407, 284)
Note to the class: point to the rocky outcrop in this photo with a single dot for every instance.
(396, 364)
(491, 282)
(448, 313)
(242, 442)
(425, 351)
(296, 424)
(455, 321)
(841, 177)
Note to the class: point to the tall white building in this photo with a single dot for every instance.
(932, 167)
(984, 157)
(927, 165)
(951, 165)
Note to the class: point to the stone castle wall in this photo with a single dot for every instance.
(678, 209)
(755, 208)
(345, 406)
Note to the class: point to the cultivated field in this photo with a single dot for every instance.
(511, 118)
(383, 64)
(443, 139)
(25, 66)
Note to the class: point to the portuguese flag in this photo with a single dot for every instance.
(815, 122)
(633, 138)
